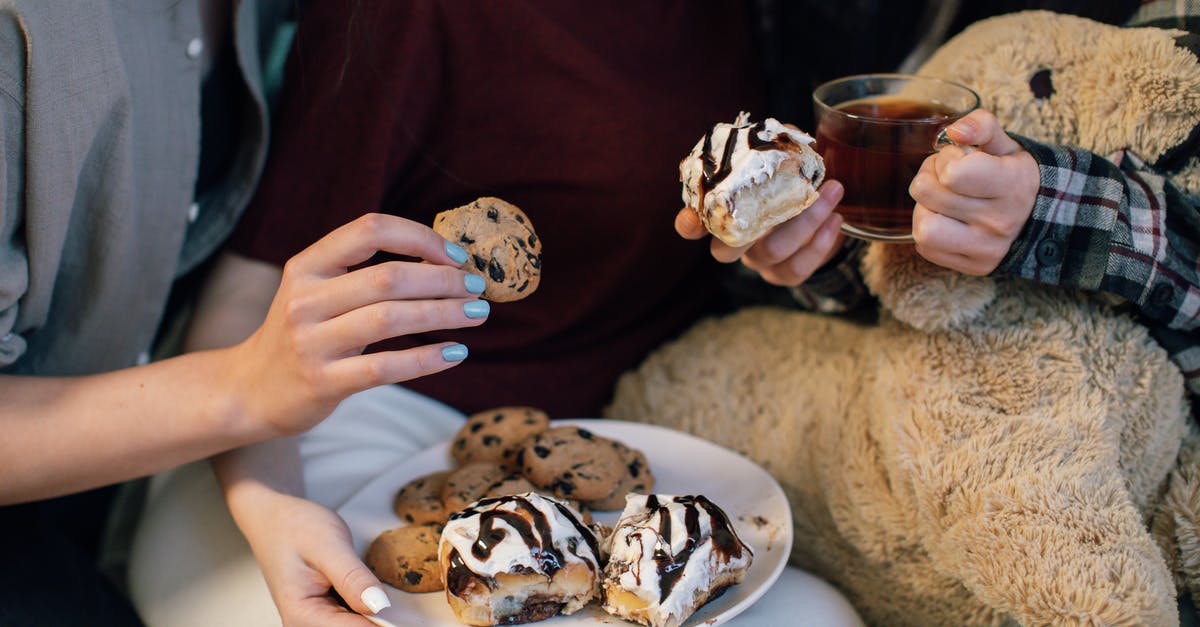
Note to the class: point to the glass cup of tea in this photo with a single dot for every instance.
(874, 131)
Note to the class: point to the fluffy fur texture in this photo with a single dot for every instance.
(991, 450)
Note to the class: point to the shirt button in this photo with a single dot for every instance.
(1048, 252)
(195, 48)
(193, 212)
(1162, 294)
(143, 358)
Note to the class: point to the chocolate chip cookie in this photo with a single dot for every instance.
(502, 243)
(420, 500)
(636, 478)
(407, 557)
(572, 463)
(469, 483)
(495, 435)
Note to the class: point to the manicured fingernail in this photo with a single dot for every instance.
(454, 352)
(475, 283)
(456, 252)
(476, 308)
(964, 127)
(375, 599)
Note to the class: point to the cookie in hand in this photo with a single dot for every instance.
(502, 244)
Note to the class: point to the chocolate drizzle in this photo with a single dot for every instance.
(459, 576)
(712, 171)
(715, 172)
(754, 141)
(530, 523)
(780, 142)
(726, 544)
(587, 534)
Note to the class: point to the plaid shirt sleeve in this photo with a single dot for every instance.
(1115, 226)
(1118, 229)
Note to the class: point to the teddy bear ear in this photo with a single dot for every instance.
(1174, 159)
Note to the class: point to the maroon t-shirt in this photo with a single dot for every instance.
(577, 112)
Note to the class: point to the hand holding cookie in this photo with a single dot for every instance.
(328, 310)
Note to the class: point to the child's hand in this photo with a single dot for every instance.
(972, 202)
(792, 251)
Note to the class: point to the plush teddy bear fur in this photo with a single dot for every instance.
(991, 450)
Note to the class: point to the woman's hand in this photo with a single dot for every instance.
(973, 202)
(792, 251)
(308, 353)
(306, 553)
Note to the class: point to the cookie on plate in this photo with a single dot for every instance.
(512, 483)
(637, 477)
(572, 463)
(420, 501)
(469, 483)
(407, 557)
(502, 243)
(495, 435)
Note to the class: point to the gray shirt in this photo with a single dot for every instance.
(100, 107)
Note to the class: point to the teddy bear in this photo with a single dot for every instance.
(989, 450)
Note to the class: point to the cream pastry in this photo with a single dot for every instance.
(668, 556)
(517, 559)
(743, 179)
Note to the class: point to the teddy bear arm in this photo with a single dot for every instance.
(1044, 545)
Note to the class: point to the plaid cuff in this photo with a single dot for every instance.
(1184, 349)
(1067, 239)
(1121, 230)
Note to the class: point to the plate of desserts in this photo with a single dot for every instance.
(572, 522)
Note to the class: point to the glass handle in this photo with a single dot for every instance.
(943, 140)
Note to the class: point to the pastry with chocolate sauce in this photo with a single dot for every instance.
(743, 179)
(668, 556)
(518, 559)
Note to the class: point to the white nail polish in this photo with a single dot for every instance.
(376, 599)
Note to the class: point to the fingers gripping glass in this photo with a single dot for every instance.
(874, 131)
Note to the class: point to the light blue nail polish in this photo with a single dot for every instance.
(476, 308)
(456, 252)
(475, 283)
(454, 352)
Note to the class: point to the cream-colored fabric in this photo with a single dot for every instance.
(952, 478)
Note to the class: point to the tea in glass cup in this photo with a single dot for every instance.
(874, 131)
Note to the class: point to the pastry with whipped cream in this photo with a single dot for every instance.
(668, 556)
(743, 178)
(517, 559)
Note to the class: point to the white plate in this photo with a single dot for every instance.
(682, 464)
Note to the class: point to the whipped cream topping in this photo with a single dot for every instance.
(526, 533)
(734, 156)
(665, 547)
